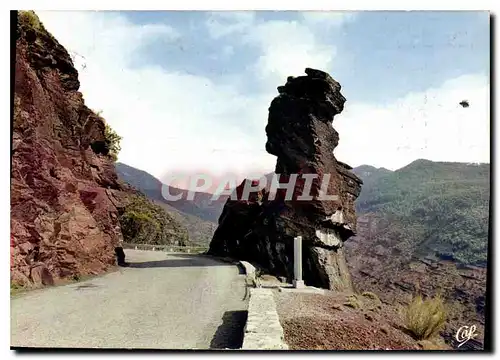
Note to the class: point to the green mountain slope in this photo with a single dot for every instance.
(432, 208)
(144, 222)
(201, 206)
(198, 217)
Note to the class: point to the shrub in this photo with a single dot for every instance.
(425, 317)
(29, 18)
(374, 304)
(15, 286)
(113, 142)
(111, 138)
(371, 295)
(353, 302)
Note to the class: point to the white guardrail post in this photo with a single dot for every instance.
(297, 262)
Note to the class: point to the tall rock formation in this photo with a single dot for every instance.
(301, 135)
(64, 190)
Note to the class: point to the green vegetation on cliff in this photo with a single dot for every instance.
(113, 142)
(27, 19)
(111, 138)
(144, 222)
(188, 213)
(431, 208)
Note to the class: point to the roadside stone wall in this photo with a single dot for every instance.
(263, 330)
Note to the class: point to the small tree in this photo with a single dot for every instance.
(113, 141)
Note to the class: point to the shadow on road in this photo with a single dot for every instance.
(176, 263)
(186, 260)
(229, 334)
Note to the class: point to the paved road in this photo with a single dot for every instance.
(160, 302)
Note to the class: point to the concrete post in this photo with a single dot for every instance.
(297, 262)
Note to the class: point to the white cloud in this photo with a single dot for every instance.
(430, 125)
(173, 121)
(287, 48)
(168, 120)
(226, 52)
(328, 19)
(224, 23)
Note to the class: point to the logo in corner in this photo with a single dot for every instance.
(465, 333)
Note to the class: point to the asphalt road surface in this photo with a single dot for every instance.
(160, 302)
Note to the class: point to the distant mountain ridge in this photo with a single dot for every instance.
(428, 207)
(366, 171)
(202, 206)
(199, 216)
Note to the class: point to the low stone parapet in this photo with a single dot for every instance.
(263, 330)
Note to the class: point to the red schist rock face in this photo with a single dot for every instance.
(64, 194)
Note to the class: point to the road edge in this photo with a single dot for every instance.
(263, 330)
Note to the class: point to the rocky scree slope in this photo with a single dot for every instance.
(425, 227)
(260, 230)
(66, 199)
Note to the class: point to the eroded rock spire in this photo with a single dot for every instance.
(301, 135)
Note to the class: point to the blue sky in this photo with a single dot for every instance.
(384, 54)
(190, 90)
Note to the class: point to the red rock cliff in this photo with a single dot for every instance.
(64, 189)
